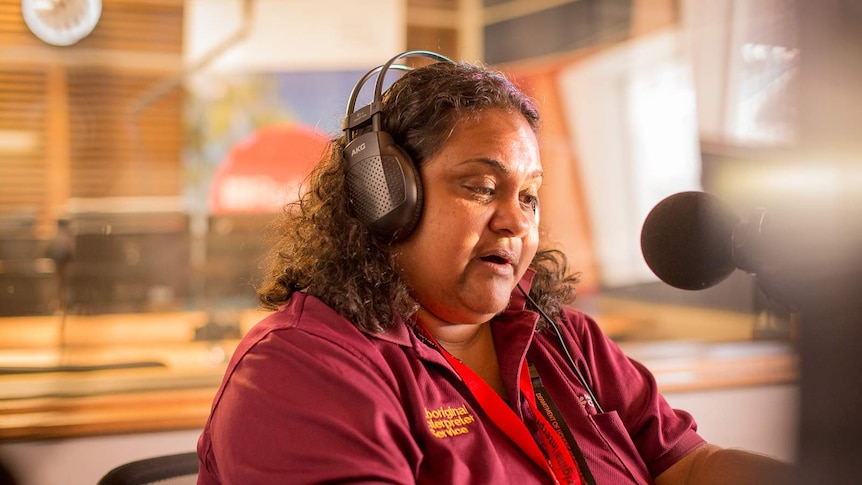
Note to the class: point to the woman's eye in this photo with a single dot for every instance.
(482, 190)
(531, 202)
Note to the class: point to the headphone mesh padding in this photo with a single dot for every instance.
(376, 187)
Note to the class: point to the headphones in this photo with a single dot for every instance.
(383, 184)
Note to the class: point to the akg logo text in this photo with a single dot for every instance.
(357, 150)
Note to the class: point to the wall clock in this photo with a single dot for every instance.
(61, 22)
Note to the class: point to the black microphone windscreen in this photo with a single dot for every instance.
(687, 240)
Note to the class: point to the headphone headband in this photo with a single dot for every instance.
(355, 119)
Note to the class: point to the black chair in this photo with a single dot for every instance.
(176, 469)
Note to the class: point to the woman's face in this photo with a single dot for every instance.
(479, 227)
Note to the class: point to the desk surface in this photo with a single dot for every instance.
(178, 394)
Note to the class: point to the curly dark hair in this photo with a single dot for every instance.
(321, 247)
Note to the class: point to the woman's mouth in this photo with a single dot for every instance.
(500, 259)
(494, 259)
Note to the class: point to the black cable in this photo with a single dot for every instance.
(566, 352)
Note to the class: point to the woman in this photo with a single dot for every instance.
(424, 358)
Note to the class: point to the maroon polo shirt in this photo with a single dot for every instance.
(308, 398)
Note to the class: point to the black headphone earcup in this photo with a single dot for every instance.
(383, 185)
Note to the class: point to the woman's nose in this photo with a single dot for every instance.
(511, 217)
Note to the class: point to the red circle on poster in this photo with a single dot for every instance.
(265, 170)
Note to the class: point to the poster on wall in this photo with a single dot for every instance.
(252, 138)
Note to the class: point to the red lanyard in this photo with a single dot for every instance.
(559, 464)
(559, 455)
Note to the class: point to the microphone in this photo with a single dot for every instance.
(692, 241)
(61, 249)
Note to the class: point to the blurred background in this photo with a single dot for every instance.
(147, 145)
